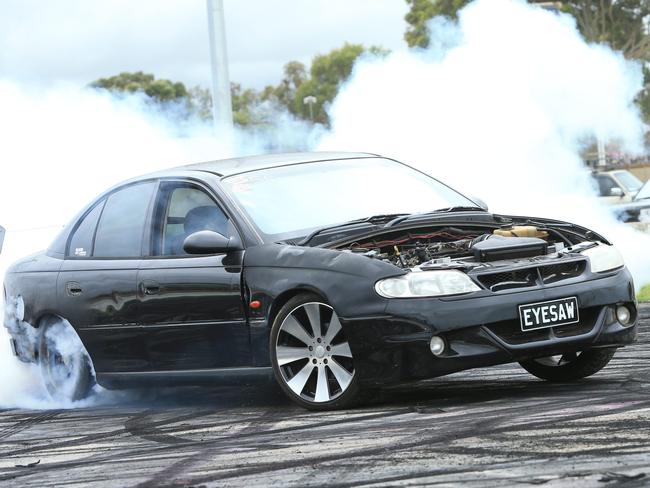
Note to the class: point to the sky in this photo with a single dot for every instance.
(78, 41)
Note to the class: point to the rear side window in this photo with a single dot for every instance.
(121, 226)
(81, 242)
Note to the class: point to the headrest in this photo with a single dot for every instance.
(205, 218)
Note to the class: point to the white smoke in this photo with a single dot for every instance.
(61, 147)
(499, 108)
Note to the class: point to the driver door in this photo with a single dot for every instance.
(191, 306)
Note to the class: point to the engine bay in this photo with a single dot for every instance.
(470, 248)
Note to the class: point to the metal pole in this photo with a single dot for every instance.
(221, 100)
(310, 100)
(602, 155)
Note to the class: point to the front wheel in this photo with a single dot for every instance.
(66, 368)
(570, 366)
(311, 356)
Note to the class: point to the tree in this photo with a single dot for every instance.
(245, 105)
(250, 107)
(620, 23)
(623, 24)
(326, 75)
(421, 11)
(159, 90)
(200, 102)
(295, 74)
(195, 102)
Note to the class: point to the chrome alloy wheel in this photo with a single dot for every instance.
(313, 354)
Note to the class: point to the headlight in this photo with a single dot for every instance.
(603, 258)
(426, 284)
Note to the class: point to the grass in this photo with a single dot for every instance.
(644, 294)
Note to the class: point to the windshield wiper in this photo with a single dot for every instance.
(458, 208)
(374, 219)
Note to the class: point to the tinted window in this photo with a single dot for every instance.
(605, 185)
(187, 209)
(121, 226)
(81, 243)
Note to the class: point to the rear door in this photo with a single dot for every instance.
(191, 306)
(97, 284)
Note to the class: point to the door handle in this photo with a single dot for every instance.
(73, 288)
(149, 287)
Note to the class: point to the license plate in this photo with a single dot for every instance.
(542, 315)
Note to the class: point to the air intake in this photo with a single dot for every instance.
(498, 248)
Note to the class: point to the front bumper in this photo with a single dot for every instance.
(484, 330)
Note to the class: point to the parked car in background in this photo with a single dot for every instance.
(333, 272)
(616, 186)
(637, 211)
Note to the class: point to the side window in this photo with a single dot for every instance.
(121, 227)
(186, 209)
(81, 242)
(605, 185)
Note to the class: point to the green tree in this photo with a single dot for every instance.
(295, 74)
(421, 11)
(196, 101)
(326, 75)
(623, 24)
(250, 107)
(160, 90)
(246, 110)
(200, 102)
(245, 106)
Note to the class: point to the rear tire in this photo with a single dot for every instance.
(570, 366)
(311, 357)
(66, 368)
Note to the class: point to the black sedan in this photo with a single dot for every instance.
(335, 272)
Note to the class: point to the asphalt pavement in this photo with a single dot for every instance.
(482, 428)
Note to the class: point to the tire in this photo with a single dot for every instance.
(66, 368)
(570, 366)
(311, 357)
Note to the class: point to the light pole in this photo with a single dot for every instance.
(310, 100)
(602, 154)
(221, 99)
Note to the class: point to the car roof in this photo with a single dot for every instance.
(228, 167)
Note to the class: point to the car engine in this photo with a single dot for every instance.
(472, 249)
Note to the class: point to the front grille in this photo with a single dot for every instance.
(521, 278)
(563, 271)
(527, 277)
(509, 331)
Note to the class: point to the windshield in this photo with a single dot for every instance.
(291, 201)
(644, 192)
(631, 183)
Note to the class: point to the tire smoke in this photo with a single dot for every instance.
(499, 107)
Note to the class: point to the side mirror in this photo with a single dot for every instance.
(210, 242)
(616, 192)
(480, 203)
